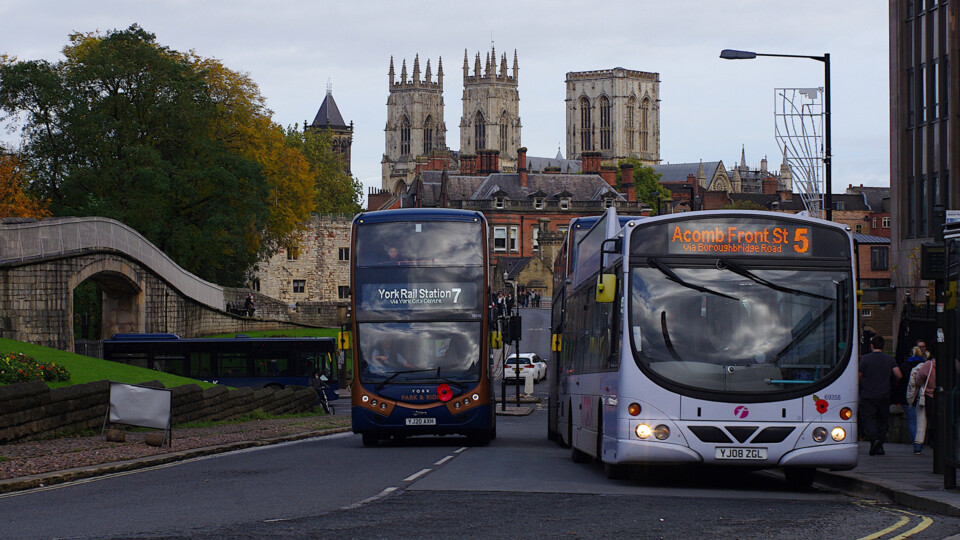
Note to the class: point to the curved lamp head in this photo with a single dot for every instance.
(730, 54)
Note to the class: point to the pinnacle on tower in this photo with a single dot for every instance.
(391, 73)
(503, 66)
(416, 69)
(743, 157)
(403, 72)
(466, 65)
(486, 71)
(476, 67)
(514, 64)
(429, 75)
(440, 71)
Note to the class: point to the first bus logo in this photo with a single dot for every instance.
(741, 411)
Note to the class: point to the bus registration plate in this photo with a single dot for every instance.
(741, 453)
(421, 421)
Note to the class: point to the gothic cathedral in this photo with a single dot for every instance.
(615, 112)
(415, 125)
(491, 109)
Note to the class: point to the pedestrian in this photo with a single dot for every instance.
(875, 384)
(249, 306)
(924, 378)
(899, 394)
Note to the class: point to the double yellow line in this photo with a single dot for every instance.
(904, 520)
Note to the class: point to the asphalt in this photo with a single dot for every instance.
(899, 476)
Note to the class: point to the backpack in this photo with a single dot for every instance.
(913, 386)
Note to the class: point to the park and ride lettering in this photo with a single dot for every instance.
(733, 239)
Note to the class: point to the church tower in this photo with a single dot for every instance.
(329, 119)
(615, 112)
(415, 125)
(491, 109)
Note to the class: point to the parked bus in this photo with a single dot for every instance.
(714, 337)
(419, 293)
(563, 266)
(241, 361)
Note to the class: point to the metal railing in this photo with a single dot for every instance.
(21, 242)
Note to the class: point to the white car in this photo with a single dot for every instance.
(529, 363)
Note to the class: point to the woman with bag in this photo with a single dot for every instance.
(927, 373)
(903, 389)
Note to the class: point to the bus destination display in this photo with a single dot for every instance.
(403, 296)
(739, 239)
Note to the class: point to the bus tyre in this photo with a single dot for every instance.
(579, 456)
(799, 478)
(369, 439)
(614, 471)
(479, 439)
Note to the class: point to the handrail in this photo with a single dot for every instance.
(56, 237)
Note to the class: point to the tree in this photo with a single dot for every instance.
(336, 191)
(646, 183)
(14, 200)
(122, 128)
(743, 204)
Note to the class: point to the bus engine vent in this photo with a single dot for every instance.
(710, 434)
(773, 435)
(741, 433)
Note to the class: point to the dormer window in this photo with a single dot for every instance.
(538, 203)
(608, 203)
(499, 202)
(565, 203)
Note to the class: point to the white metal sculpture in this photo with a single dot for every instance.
(799, 126)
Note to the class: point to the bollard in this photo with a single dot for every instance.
(116, 435)
(155, 439)
(527, 385)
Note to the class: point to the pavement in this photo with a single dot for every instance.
(899, 476)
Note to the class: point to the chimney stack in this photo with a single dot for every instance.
(626, 180)
(522, 165)
(591, 162)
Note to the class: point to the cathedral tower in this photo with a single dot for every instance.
(615, 112)
(415, 125)
(491, 109)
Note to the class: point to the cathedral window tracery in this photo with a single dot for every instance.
(480, 131)
(404, 136)
(504, 123)
(644, 125)
(428, 135)
(604, 123)
(631, 125)
(585, 143)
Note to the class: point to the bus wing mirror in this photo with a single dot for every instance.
(343, 340)
(496, 340)
(606, 288)
(612, 245)
(557, 343)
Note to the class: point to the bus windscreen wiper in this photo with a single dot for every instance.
(724, 264)
(672, 276)
(395, 373)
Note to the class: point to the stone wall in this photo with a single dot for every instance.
(33, 411)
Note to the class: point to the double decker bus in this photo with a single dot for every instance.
(715, 337)
(419, 300)
(241, 361)
(563, 266)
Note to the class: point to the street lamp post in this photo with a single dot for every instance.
(514, 329)
(730, 54)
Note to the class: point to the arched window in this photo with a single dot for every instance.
(428, 135)
(644, 126)
(480, 131)
(631, 124)
(504, 123)
(604, 105)
(585, 124)
(404, 136)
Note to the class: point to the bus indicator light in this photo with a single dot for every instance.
(846, 413)
(633, 409)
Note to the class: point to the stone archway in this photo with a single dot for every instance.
(122, 296)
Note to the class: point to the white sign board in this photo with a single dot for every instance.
(140, 405)
(953, 216)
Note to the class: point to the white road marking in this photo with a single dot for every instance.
(444, 460)
(463, 449)
(414, 476)
(378, 496)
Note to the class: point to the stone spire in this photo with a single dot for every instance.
(416, 69)
(486, 71)
(429, 74)
(466, 65)
(476, 67)
(493, 59)
(503, 66)
(701, 176)
(440, 71)
(403, 72)
(743, 158)
(514, 64)
(391, 73)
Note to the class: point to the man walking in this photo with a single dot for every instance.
(875, 383)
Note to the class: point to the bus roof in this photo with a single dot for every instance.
(410, 214)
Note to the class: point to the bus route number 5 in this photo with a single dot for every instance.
(800, 237)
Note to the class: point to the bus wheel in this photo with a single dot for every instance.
(369, 439)
(799, 478)
(479, 439)
(579, 456)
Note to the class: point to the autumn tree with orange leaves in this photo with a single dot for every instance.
(14, 200)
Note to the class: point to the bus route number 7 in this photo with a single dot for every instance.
(800, 237)
(456, 295)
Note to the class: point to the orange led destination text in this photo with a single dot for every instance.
(731, 239)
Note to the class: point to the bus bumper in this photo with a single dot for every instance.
(830, 456)
(652, 452)
(473, 421)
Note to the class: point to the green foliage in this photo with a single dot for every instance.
(336, 191)
(18, 367)
(84, 369)
(86, 301)
(646, 183)
(744, 204)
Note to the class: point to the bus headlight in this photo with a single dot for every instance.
(633, 409)
(820, 434)
(661, 432)
(846, 413)
(838, 434)
(643, 431)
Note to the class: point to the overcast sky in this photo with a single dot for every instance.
(709, 108)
